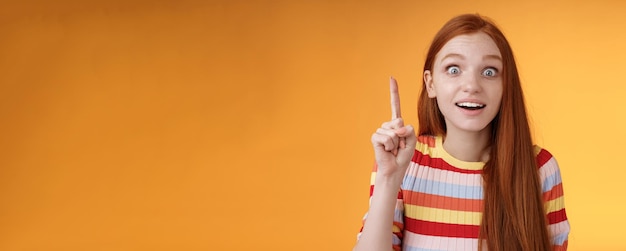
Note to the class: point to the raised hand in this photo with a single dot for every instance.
(394, 143)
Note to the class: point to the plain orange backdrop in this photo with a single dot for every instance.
(245, 125)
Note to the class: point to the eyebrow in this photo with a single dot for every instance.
(451, 55)
(492, 57)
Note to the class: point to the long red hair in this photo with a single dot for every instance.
(513, 216)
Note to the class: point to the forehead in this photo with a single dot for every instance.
(470, 45)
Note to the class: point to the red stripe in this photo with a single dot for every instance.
(561, 247)
(426, 140)
(425, 160)
(438, 163)
(441, 229)
(443, 202)
(557, 216)
(554, 193)
(543, 157)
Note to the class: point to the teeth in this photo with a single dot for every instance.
(470, 104)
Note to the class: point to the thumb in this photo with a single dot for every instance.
(408, 134)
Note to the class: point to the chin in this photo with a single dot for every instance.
(475, 128)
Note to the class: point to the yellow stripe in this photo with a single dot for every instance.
(395, 229)
(373, 178)
(537, 149)
(554, 205)
(442, 215)
(442, 154)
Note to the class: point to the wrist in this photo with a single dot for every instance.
(388, 183)
(395, 177)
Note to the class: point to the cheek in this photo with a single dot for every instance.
(496, 99)
(444, 88)
(497, 94)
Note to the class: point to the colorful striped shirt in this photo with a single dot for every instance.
(440, 203)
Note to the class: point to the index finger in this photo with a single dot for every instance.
(395, 99)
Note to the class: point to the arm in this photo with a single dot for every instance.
(394, 146)
(383, 219)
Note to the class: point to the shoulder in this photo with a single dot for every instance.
(425, 145)
(542, 155)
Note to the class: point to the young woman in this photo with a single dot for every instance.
(473, 172)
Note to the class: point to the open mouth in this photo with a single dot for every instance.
(470, 105)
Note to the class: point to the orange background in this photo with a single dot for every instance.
(245, 125)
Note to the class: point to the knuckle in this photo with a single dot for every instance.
(382, 138)
(398, 122)
(376, 138)
(391, 140)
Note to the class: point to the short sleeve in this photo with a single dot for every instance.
(553, 198)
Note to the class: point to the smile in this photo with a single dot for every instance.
(470, 105)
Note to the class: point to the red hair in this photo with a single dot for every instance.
(513, 216)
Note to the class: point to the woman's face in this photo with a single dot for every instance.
(466, 79)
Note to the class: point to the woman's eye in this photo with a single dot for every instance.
(490, 72)
(453, 70)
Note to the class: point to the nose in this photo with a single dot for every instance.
(471, 83)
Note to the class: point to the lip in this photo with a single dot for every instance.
(470, 112)
(470, 101)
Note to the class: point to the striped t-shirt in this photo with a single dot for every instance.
(440, 203)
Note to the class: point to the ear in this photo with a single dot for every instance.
(428, 82)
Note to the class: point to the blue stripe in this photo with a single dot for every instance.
(559, 239)
(398, 216)
(443, 189)
(395, 240)
(551, 181)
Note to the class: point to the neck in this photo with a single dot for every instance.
(468, 146)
